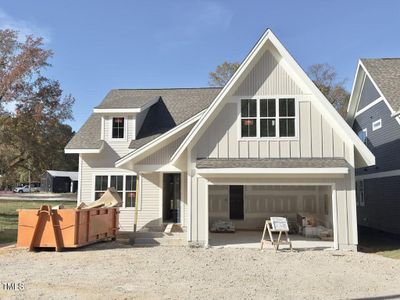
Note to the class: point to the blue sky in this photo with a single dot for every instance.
(100, 45)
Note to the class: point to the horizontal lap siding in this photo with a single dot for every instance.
(383, 142)
(149, 213)
(382, 204)
(163, 156)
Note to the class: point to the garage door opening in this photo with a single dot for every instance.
(308, 209)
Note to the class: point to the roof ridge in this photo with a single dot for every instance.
(169, 88)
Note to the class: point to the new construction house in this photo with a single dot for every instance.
(266, 144)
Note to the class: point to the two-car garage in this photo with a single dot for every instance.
(307, 207)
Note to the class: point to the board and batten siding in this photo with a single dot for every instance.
(268, 77)
(316, 137)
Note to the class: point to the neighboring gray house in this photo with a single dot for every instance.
(267, 144)
(373, 113)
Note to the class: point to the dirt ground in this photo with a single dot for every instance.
(116, 271)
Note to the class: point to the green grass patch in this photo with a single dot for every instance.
(9, 215)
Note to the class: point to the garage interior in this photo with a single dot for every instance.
(308, 209)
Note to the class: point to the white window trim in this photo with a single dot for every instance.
(258, 129)
(377, 125)
(123, 185)
(125, 138)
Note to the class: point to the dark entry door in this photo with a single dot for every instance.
(171, 197)
(236, 204)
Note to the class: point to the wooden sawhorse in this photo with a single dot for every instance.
(275, 243)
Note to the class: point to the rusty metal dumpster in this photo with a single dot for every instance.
(65, 228)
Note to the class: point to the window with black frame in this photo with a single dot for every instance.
(286, 117)
(267, 118)
(249, 117)
(101, 184)
(118, 125)
(117, 182)
(130, 191)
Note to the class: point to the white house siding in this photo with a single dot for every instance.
(344, 196)
(163, 156)
(120, 147)
(268, 77)
(149, 193)
(316, 137)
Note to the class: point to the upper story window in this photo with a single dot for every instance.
(377, 125)
(268, 117)
(118, 128)
(362, 134)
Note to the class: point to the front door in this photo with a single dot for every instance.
(236, 203)
(171, 197)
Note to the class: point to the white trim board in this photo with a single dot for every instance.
(392, 173)
(321, 103)
(373, 103)
(136, 153)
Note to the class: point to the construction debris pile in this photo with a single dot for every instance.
(310, 227)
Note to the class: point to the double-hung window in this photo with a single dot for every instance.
(124, 184)
(100, 186)
(249, 117)
(130, 191)
(118, 129)
(268, 118)
(117, 182)
(286, 117)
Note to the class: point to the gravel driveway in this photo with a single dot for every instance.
(116, 271)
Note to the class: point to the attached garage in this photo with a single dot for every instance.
(308, 209)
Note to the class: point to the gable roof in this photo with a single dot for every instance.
(323, 104)
(385, 72)
(173, 107)
(72, 175)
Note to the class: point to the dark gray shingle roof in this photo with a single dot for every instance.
(386, 74)
(174, 106)
(211, 163)
(88, 136)
(124, 98)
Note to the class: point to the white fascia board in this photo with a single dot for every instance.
(356, 89)
(372, 104)
(248, 171)
(73, 151)
(323, 104)
(160, 139)
(221, 96)
(126, 110)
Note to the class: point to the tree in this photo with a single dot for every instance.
(32, 109)
(223, 73)
(324, 77)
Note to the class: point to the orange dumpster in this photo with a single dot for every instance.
(65, 228)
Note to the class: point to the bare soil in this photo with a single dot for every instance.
(116, 271)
